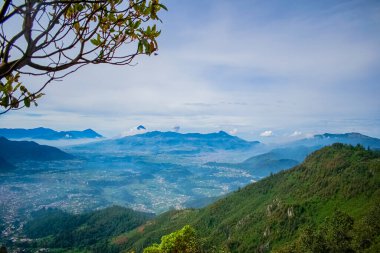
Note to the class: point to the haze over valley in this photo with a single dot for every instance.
(151, 172)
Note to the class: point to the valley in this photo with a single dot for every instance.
(98, 177)
(151, 173)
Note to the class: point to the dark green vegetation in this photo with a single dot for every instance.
(57, 229)
(183, 241)
(46, 133)
(335, 192)
(339, 233)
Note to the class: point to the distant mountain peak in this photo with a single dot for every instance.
(223, 133)
(344, 135)
(157, 141)
(47, 134)
(352, 138)
(141, 127)
(89, 130)
(219, 134)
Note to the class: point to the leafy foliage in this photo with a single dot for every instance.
(183, 241)
(339, 234)
(52, 39)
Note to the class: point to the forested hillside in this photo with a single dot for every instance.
(329, 203)
(337, 184)
(52, 228)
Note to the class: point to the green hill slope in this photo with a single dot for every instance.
(53, 228)
(329, 203)
(273, 213)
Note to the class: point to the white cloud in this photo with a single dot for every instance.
(266, 133)
(296, 134)
(233, 131)
(133, 131)
(309, 135)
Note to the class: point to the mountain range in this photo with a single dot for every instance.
(47, 134)
(164, 177)
(18, 151)
(346, 138)
(291, 154)
(173, 143)
(328, 203)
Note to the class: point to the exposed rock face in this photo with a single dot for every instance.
(290, 212)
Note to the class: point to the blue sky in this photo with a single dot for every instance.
(258, 69)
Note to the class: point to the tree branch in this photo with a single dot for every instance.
(4, 9)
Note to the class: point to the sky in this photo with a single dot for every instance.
(261, 70)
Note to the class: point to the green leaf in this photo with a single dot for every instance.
(5, 101)
(137, 24)
(95, 42)
(15, 103)
(17, 86)
(163, 7)
(39, 95)
(27, 102)
(23, 89)
(76, 26)
(9, 87)
(140, 47)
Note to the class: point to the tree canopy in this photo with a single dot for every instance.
(183, 241)
(53, 38)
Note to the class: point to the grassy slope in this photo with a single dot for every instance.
(267, 214)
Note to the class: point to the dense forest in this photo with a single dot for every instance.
(329, 203)
(53, 228)
(339, 184)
